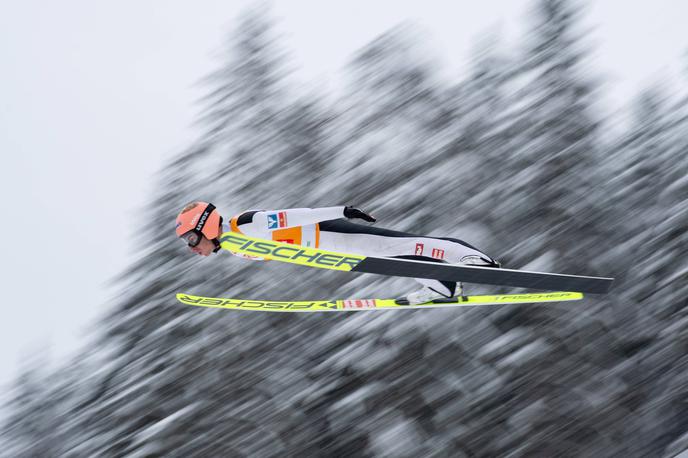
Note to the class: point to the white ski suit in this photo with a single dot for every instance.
(326, 228)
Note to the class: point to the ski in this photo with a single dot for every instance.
(323, 259)
(352, 305)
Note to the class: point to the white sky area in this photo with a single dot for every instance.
(95, 95)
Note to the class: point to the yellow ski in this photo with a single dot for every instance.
(350, 305)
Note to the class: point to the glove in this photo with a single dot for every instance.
(352, 212)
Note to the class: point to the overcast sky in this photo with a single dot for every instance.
(95, 95)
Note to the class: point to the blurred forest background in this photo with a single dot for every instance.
(514, 159)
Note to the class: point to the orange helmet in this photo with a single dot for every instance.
(196, 219)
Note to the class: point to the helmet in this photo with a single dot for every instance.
(196, 219)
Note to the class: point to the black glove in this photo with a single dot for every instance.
(352, 212)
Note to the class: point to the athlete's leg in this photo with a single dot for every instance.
(347, 237)
(374, 241)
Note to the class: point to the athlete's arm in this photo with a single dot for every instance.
(263, 222)
(272, 220)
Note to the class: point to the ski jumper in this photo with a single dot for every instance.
(327, 229)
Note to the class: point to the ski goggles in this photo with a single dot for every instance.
(192, 238)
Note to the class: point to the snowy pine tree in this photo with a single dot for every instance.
(384, 128)
(555, 185)
(30, 427)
